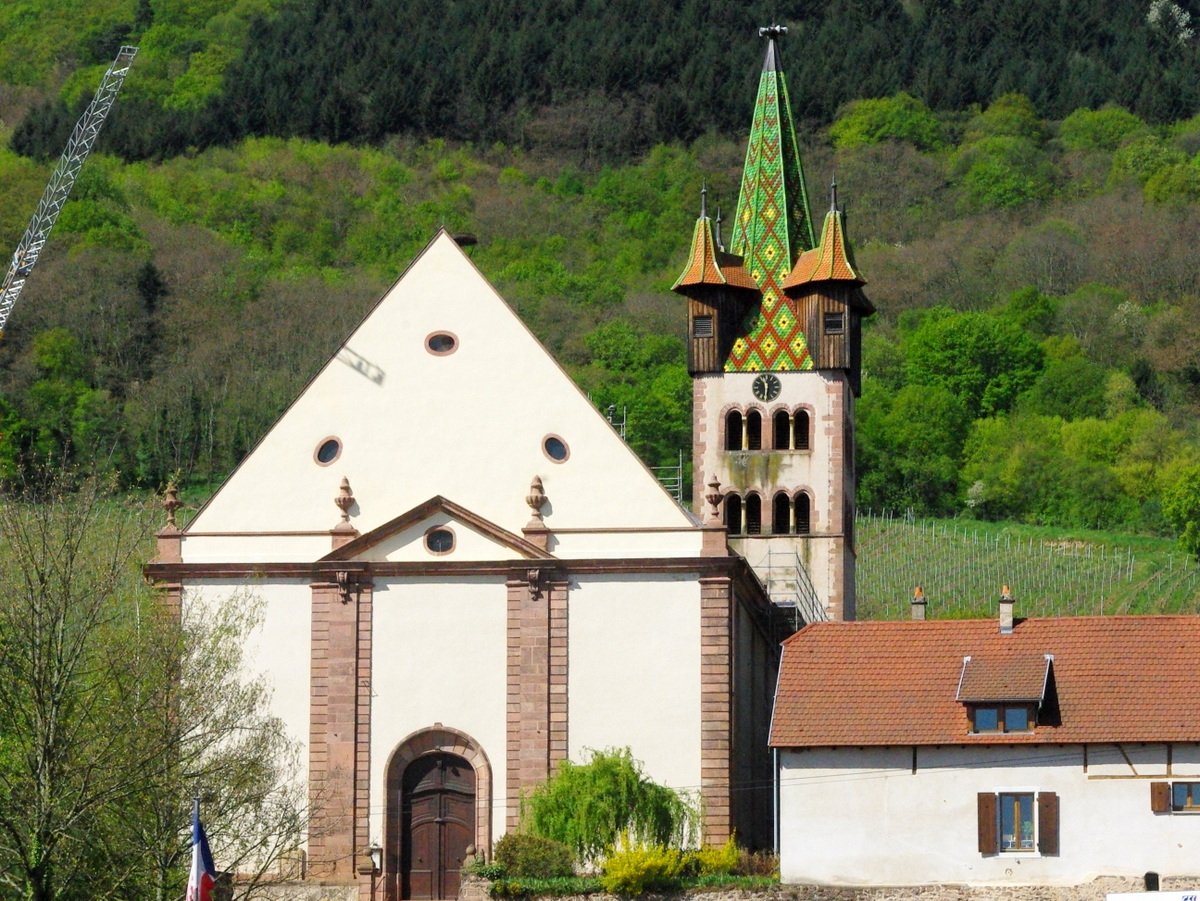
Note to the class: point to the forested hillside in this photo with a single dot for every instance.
(1036, 355)
(597, 80)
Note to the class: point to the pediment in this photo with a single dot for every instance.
(440, 390)
(403, 539)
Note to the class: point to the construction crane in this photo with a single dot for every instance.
(83, 138)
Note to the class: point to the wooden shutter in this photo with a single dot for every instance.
(1047, 803)
(1160, 797)
(987, 823)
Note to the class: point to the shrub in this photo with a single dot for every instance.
(590, 806)
(534, 857)
(490, 871)
(640, 869)
(713, 861)
(758, 863)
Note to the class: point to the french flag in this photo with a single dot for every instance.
(203, 877)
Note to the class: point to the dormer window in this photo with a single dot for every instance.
(1003, 717)
(1004, 695)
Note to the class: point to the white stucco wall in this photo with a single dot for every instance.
(634, 672)
(862, 817)
(278, 649)
(438, 656)
(468, 425)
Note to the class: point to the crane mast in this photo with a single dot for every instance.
(83, 138)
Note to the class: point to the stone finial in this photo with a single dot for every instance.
(344, 500)
(536, 531)
(171, 503)
(536, 500)
(713, 496)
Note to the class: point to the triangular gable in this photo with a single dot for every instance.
(470, 421)
(410, 527)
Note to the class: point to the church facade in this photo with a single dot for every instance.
(466, 576)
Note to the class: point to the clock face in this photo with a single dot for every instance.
(766, 386)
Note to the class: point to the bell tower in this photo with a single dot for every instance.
(774, 328)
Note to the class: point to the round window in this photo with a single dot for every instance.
(555, 448)
(441, 343)
(328, 451)
(439, 540)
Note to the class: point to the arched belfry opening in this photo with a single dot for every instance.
(439, 802)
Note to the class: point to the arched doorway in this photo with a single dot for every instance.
(437, 824)
(442, 769)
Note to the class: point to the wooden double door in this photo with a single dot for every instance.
(437, 825)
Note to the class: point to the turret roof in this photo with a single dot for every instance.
(830, 260)
(709, 265)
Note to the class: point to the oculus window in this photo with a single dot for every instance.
(328, 450)
(439, 540)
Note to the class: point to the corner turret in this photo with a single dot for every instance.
(830, 305)
(720, 292)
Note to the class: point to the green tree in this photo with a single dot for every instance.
(901, 117)
(591, 806)
(985, 361)
(1104, 129)
(1003, 172)
(1181, 506)
(1142, 158)
(910, 448)
(111, 714)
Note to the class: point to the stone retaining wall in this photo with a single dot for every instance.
(475, 889)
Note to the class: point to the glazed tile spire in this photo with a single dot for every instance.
(772, 226)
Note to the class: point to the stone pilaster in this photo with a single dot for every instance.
(339, 730)
(537, 682)
(716, 721)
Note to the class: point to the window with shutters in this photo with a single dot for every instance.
(835, 323)
(733, 514)
(733, 430)
(702, 327)
(1175, 797)
(753, 514)
(1018, 822)
(754, 430)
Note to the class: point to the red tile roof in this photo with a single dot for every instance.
(1010, 679)
(707, 265)
(1115, 679)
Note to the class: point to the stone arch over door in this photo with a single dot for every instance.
(435, 742)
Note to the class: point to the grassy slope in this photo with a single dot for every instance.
(962, 564)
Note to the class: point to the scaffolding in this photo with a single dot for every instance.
(791, 589)
(671, 478)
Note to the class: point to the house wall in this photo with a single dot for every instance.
(634, 671)
(864, 817)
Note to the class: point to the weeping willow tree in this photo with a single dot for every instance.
(593, 806)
